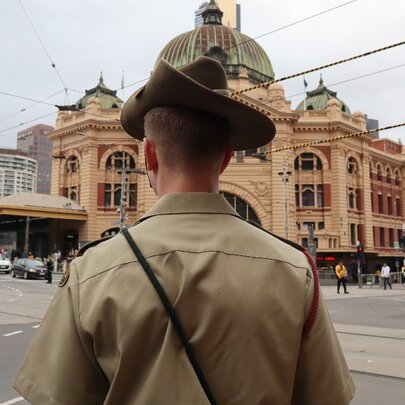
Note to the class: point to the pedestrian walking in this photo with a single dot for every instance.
(49, 266)
(385, 274)
(403, 274)
(341, 274)
(192, 304)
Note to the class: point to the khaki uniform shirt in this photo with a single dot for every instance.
(243, 297)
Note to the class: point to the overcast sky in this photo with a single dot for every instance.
(86, 37)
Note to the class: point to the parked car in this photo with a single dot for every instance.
(28, 268)
(5, 265)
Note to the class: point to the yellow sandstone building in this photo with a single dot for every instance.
(347, 190)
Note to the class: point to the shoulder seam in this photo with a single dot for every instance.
(194, 252)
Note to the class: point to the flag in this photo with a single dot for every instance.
(305, 83)
(122, 81)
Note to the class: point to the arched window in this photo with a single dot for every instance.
(388, 175)
(241, 207)
(397, 178)
(120, 159)
(307, 161)
(379, 173)
(72, 164)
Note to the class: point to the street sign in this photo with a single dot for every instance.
(396, 245)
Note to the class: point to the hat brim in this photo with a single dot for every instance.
(168, 86)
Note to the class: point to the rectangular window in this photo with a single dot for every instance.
(132, 195)
(351, 198)
(319, 195)
(321, 225)
(307, 164)
(380, 204)
(389, 203)
(107, 195)
(398, 206)
(352, 234)
(306, 225)
(308, 195)
(297, 195)
(391, 235)
(117, 195)
(372, 202)
(382, 237)
(304, 242)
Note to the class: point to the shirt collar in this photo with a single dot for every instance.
(190, 203)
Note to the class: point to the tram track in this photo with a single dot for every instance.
(367, 373)
(36, 318)
(371, 335)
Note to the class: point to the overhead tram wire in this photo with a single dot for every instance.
(44, 48)
(291, 24)
(24, 123)
(262, 35)
(385, 48)
(30, 106)
(334, 139)
(335, 84)
(236, 93)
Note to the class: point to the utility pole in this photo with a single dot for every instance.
(311, 242)
(360, 254)
(285, 175)
(27, 234)
(123, 201)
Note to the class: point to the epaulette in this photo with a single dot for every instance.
(311, 319)
(91, 244)
(66, 273)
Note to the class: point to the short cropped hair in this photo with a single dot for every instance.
(187, 138)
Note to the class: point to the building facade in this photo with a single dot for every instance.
(35, 142)
(347, 190)
(18, 172)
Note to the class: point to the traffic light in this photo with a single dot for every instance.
(360, 252)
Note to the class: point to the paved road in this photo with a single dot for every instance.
(370, 325)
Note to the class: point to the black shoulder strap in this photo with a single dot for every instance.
(172, 314)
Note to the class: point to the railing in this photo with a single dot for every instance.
(375, 280)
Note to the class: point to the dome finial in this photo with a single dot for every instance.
(320, 81)
(101, 80)
(212, 14)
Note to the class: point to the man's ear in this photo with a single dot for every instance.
(227, 158)
(150, 154)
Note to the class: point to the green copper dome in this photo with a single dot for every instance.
(107, 97)
(318, 99)
(234, 50)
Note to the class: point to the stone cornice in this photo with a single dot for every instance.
(89, 124)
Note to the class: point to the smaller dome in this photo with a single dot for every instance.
(108, 98)
(318, 99)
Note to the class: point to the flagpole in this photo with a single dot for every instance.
(122, 86)
(305, 97)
